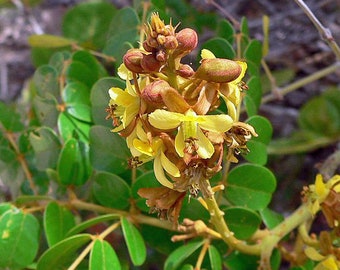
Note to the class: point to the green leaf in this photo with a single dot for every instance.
(19, 239)
(110, 190)
(91, 62)
(60, 256)
(80, 72)
(193, 210)
(250, 106)
(251, 186)
(275, 259)
(134, 242)
(49, 41)
(59, 60)
(262, 127)
(152, 235)
(215, 258)
(10, 168)
(220, 47)
(244, 222)
(240, 261)
(244, 27)
(257, 152)
(178, 256)
(270, 218)
(103, 256)
(254, 93)
(253, 55)
(46, 146)
(58, 221)
(91, 222)
(76, 96)
(226, 30)
(100, 99)
(72, 164)
(9, 118)
(45, 80)
(108, 150)
(332, 94)
(4, 207)
(88, 23)
(146, 180)
(46, 109)
(187, 267)
(321, 116)
(122, 34)
(70, 127)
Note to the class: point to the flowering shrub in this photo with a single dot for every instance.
(171, 167)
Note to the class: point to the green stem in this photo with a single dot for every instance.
(228, 237)
(139, 218)
(301, 147)
(298, 217)
(299, 83)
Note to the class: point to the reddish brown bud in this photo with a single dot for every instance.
(218, 70)
(171, 42)
(132, 60)
(152, 92)
(185, 71)
(187, 40)
(147, 47)
(161, 56)
(150, 64)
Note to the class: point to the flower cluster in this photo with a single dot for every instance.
(167, 113)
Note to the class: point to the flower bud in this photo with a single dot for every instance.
(171, 42)
(218, 70)
(147, 47)
(152, 92)
(132, 60)
(150, 64)
(185, 71)
(187, 40)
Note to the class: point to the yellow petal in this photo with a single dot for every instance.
(140, 133)
(159, 173)
(216, 123)
(163, 119)
(320, 187)
(313, 254)
(168, 166)
(143, 147)
(243, 72)
(130, 113)
(179, 142)
(205, 148)
(334, 183)
(120, 97)
(206, 54)
(328, 264)
(124, 73)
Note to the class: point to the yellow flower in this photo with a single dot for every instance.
(320, 191)
(231, 91)
(325, 262)
(127, 104)
(155, 149)
(190, 128)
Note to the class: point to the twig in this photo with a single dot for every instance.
(325, 33)
(311, 78)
